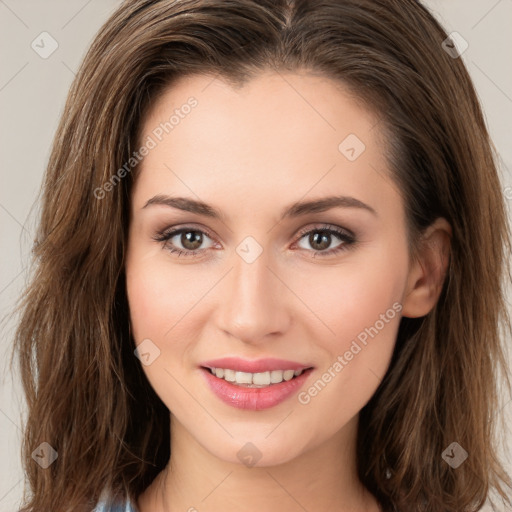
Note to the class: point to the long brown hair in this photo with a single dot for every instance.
(87, 395)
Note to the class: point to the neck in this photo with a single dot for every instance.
(322, 478)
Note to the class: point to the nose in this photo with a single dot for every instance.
(254, 302)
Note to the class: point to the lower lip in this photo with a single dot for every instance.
(255, 399)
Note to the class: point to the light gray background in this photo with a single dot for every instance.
(32, 95)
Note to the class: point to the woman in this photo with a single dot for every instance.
(270, 268)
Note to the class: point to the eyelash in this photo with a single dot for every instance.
(347, 238)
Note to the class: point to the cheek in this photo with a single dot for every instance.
(159, 296)
(167, 306)
(359, 309)
(159, 300)
(365, 321)
(148, 300)
(352, 296)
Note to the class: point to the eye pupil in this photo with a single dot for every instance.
(191, 240)
(321, 238)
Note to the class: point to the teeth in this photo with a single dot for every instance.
(261, 379)
(288, 374)
(255, 380)
(276, 376)
(229, 375)
(243, 378)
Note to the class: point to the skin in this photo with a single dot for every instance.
(250, 152)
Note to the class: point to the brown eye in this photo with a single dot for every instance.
(191, 240)
(320, 240)
(184, 241)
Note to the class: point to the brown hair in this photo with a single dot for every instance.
(86, 392)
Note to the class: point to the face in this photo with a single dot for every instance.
(299, 262)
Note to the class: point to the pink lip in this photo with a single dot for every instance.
(255, 399)
(256, 366)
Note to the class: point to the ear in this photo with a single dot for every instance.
(427, 270)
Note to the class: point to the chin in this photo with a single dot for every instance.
(256, 452)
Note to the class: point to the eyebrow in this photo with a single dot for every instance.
(295, 210)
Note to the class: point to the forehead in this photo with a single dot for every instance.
(298, 107)
(279, 137)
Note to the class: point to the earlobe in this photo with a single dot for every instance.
(428, 271)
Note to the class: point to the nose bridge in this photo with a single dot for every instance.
(254, 305)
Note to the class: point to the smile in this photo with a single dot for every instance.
(255, 380)
(254, 384)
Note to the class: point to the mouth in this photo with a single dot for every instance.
(255, 380)
(254, 385)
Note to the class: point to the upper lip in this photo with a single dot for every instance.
(255, 365)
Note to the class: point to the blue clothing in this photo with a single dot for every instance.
(116, 507)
